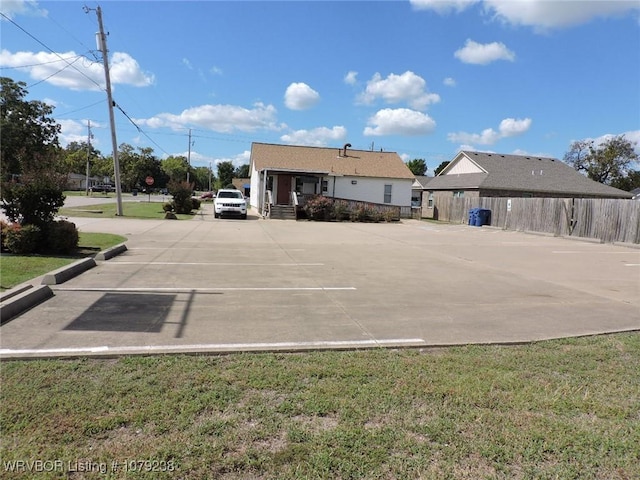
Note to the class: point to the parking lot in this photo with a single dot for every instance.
(213, 285)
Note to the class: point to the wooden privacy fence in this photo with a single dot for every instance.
(605, 219)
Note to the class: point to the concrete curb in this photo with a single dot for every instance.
(30, 297)
(111, 252)
(67, 272)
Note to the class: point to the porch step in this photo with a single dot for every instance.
(283, 212)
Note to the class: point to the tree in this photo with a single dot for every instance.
(441, 167)
(175, 167)
(628, 183)
(242, 171)
(29, 134)
(135, 167)
(73, 158)
(417, 166)
(608, 162)
(225, 174)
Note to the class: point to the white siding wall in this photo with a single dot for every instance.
(464, 165)
(371, 189)
(254, 195)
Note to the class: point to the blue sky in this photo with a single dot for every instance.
(422, 78)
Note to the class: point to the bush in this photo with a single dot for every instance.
(61, 238)
(195, 203)
(319, 208)
(4, 227)
(35, 200)
(167, 207)
(22, 240)
(181, 192)
(388, 216)
(359, 214)
(340, 211)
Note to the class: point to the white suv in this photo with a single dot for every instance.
(229, 202)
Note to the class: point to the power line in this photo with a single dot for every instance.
(52, 51)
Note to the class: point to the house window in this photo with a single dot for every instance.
(325, 186)
(430, 200)
(387, 194)
(458, 194)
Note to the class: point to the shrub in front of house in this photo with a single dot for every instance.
(167, 207)
(388, 216)
(319, 208)
(195, 204)
(340, 211)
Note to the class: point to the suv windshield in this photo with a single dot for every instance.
(230, 195)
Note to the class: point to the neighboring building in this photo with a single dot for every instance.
(278, 171)
(418, 187)
(78, 181)
(478, 174)
(242, 184)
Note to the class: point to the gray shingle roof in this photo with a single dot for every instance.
(524, 173)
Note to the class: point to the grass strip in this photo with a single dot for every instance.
(141, 210)
(16, 269)
(557, 409)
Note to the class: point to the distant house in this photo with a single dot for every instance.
(242, 184)
(287, 174)
(78, 181)
(417, 188)
(478, 174)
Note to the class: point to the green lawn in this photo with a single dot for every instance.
(142, 210)
(16, 269)
(566, 409)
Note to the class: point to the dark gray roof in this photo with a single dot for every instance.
(526, 174)
(423, 180)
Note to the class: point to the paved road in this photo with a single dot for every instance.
(217, 285)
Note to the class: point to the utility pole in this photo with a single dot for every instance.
(210, 176)
(102, 45)
(88, 154)
(189, 157)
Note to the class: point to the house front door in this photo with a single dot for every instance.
(284, 190)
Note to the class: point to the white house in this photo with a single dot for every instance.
(287, 174)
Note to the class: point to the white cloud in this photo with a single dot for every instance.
(449, 82)
(12, 8)
(75, 72)
(72, 131)
(633, 136)
(316, 137)
(219, 118)
(126, 70)
(483, 54)
(187, 63)
(407, 87)
(300, 96)
(541, 15)
(400, 121)
(351, 78)
(443, 6)
(509, 127)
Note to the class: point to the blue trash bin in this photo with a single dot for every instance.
(473, 217)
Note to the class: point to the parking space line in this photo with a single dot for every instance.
(222, 264)
(199, 289)
(217, 347)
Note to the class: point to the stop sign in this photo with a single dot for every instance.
(149, 180)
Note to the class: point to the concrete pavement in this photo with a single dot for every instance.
(218, 285)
